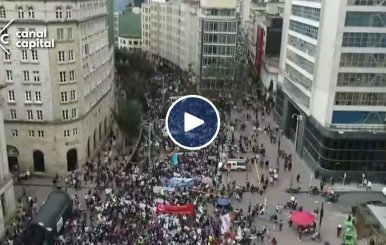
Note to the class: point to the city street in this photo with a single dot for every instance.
(333, 213)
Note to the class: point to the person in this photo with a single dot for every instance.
(338, 231)
(280, 225)
(369, 185)
(274, 242)
(298, 178)
(372, 242)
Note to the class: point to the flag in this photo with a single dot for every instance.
(321, 214)
(225, 223)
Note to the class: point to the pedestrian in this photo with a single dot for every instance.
(298, 178)
(338, 231)
(280, 225)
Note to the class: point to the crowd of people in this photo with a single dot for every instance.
(122, 207)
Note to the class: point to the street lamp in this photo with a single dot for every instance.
(278, 146)
(298, 119)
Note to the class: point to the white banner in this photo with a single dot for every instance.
(225, 223)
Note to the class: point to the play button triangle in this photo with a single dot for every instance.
(191, 122)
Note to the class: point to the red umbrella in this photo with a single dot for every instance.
(302, 218)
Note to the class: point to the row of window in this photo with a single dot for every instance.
(300, 61)
(65, 98)
(219, 50)
(220, 26)
(362, 79)
(26, 55)
(306, 12)
(30, 114)
(360, 99)
(302, 45)
(64, 34)
(304, 29)
(362, 60)
(27, 97)
(298, 77)
(220, 38)
(367, 2)
(216, 61)
(69, 114)
(40, 133)
(220, 12)
(370, 19)
(64, 76)
(363, 40)
(59, 13)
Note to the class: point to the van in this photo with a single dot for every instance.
(236, 164)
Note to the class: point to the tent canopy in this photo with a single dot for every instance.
(302, 218)
(223, 202)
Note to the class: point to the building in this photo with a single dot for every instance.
(58, 99)
(243, 10)
(193, 35)
(129, 34)
(7, 194)
(264, 40)
(333, 84)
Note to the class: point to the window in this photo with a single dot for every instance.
(8, 74)
(28, 96)
(38, 97)
(59, 13)
(61, 56)
(70, 55)
(26, 76)
(74, 113)
(36, 76)
(368, 19)
(72, 76)
(39, 114)
(300, 61)
(360, 99)
(31, 133)
(3, 14)
(40, 133)
(65, 114)
(62, 76)
(69, 33)
(20, 13)
(306, 12)
(31, 13)
(376, 60)
(72, 95)
(86, 49)
(364, 40)
(75, 131)
(60, 33)
(30, 115)
(68, 13)
(34, 54)
(367, 2)
(304, 29)
(15, 132)
(12, 114)
(63, 96)
(66, 133)
(362, 79)
(7, 55)
(11, 96)
(24, 55)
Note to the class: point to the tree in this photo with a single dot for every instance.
(129, 116)
(133, 74)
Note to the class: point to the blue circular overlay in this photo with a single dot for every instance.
(200, 136)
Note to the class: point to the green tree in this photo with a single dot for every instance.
(128, 117)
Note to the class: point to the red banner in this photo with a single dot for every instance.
(187, 209)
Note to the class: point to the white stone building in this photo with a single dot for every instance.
(333, 96)
(191, 35)
(58, 99)
(7, 194)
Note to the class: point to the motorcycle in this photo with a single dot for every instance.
(291, 205)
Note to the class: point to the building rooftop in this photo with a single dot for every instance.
(130, 24)
(379, 213)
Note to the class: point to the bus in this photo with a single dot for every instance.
(44, 228)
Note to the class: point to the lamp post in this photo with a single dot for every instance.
(298, 119)
(278, 147)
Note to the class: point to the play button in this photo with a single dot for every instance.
(192, 122)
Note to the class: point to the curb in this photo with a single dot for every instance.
(341, 192)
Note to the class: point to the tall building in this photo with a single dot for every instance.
(58, 98)
(193, 35)
(7, 194)
(127, 28)
(333, 95)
